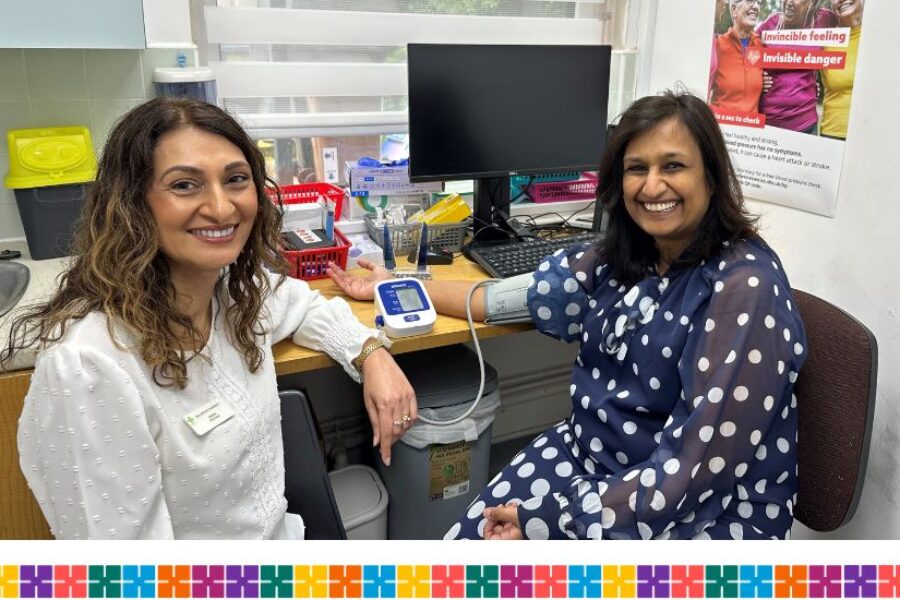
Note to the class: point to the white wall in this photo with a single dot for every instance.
(852, 260)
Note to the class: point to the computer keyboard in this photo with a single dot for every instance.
(507, 259)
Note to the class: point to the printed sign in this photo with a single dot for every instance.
(780, 84)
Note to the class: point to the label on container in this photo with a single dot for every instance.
(448, 474)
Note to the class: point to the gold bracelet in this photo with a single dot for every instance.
(371, 345)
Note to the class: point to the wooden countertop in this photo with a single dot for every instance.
(290, 358)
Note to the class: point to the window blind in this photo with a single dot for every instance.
(338, 67)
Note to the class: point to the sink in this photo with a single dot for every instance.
(13, 281)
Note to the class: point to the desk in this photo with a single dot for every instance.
(290, 358)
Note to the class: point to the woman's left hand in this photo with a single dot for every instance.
(502, 522)
(390, 401)
(356, 286)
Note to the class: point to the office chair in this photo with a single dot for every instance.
(306, 483)
(836, 402)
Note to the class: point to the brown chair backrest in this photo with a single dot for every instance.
(20, 516)
(836, 402)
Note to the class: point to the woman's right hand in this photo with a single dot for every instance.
(355, 286)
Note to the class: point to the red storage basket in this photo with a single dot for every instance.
(311, 264)
(309, 192)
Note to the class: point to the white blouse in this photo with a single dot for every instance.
(108, 453)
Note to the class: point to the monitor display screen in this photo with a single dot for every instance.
(478, 111)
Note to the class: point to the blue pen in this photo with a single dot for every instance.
(388, 250)
(329, 221)
(422, 265)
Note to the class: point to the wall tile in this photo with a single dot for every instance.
(56, 74)
(71, 112)
(114, 74)
(13, 115)
(13, 82)
(104, 113)
(10, 223)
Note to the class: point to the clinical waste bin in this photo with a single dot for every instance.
(436, 471)
(50, 169)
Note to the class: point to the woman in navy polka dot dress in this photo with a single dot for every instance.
(684, 424)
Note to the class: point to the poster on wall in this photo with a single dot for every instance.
(780, 84)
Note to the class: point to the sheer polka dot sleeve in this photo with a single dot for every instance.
(87, 452)
(731, 437)
(557, 298)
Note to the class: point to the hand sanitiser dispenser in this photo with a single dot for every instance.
(404, 307)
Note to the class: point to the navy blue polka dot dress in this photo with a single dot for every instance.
(683, 424)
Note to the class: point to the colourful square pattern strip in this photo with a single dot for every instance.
(449, 581)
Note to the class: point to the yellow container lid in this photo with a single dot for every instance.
(49, 156)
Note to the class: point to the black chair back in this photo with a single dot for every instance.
(306, 483)
(836, 403)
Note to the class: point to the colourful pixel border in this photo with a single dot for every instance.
(449, 581)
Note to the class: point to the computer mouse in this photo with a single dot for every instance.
(433, 257)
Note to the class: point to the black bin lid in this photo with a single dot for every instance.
(446, 376)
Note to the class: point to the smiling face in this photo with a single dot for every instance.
(202, 199)
(665, 185)
(795, 12)
(744, 14)
(847, 10)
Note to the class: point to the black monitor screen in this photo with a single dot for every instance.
(479, 111)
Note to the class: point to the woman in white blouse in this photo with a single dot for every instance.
(153, 410)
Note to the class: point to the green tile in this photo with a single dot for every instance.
(13, 115)
(114, 74)
(161, 57)
(104, 113)
(56, 74)
(53, 114)
(13, 82)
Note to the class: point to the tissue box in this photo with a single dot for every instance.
(385, 181)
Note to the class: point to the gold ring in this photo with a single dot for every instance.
(406, 418)
(398, 423)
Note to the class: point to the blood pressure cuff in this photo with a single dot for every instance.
(506, 300)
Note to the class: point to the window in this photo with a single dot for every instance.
(310, 78)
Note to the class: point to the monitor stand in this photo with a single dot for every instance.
(491, 204)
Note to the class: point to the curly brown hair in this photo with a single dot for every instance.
(119, 269)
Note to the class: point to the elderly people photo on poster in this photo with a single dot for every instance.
(780, 83)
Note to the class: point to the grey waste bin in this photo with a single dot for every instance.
(436, 471)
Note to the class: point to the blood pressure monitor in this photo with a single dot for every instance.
(404, 307)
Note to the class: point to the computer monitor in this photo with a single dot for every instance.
(486, 112)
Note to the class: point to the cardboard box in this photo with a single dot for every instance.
(385, 181)
(360, 206)
(362, 246)
(308, 215)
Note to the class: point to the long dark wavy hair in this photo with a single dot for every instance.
(119, 269)
(627, 248)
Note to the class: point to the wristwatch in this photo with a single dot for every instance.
(371, 345)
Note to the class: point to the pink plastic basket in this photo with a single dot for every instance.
(560, 191)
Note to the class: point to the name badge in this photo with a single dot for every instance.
(210, 415)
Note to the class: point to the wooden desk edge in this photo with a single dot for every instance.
(290, 358)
